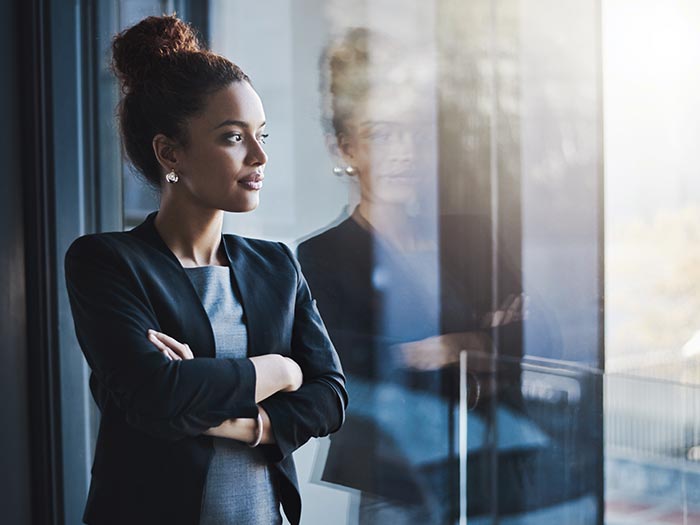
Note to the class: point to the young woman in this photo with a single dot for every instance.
(400, 308)
(209, 360)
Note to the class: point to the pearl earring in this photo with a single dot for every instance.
(172, 176)
(349, 170)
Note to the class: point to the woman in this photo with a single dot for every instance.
(209, 361)
(400, 308)
(376, 277)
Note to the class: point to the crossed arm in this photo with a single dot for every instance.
(173, 398)
(274, 373)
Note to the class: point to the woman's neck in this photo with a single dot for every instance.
(193, 234)
(390, 221)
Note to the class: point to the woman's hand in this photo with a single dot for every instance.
(296, 377)
(240, 429)
(172, 348)
(244, 429)
(513, 309)
(275, 373)
(444, 350)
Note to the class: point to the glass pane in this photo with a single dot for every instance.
(652, 401)
(466, 134)
(438, 168)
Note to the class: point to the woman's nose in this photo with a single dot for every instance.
(256, 154)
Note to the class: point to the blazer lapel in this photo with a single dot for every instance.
(243, 277)
(191, 324)
(146, 231)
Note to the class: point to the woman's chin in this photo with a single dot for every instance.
(398, 194)
(246, 205)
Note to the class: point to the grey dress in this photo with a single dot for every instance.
(241, 486)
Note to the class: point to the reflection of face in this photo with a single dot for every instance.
(380, 146)
(223, 162)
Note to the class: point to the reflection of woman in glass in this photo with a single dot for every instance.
(375, 276)
(400, 309)
(210, 363)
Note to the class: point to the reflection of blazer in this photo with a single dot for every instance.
(342, 265)
(368, 455)
(151, 458)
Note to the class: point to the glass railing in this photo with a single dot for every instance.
(652, 440)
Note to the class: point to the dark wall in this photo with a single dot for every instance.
(14, 405)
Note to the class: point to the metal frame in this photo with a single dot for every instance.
(34, 70)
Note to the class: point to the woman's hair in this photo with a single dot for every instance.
(165, 75)
(366, 63)
(344, 78)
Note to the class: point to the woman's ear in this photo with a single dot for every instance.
(345, 148)
(165, 151)
(333, 148)
(332, 145)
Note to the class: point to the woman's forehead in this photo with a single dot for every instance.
(387, 105)
(238, 102)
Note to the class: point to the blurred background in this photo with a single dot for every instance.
(543, 149)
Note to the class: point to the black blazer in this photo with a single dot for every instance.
(339, 265)
(151, 459)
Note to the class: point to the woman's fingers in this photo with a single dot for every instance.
(497, 317)
(170, 346)
(182, 349)
(512, 309)
(512, 312)
(163, 348)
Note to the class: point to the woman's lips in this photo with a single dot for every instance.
(398, 178)
(252, 182)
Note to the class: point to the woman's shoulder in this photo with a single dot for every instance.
(259, 251)
(269, 263)
(338, 248)
(100, 254)
(342, 236)
(255, 245)
(94, 244)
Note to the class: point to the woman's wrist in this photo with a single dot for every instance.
(247, 430)
(273, 373)
(240, 429)
(268, 437)
(295, 377)
(257, 432)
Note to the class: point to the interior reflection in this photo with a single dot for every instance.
(404, 289)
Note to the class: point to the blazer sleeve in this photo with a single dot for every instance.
(112, 314)
(318, 407)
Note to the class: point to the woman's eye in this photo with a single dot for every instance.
(263, 137)
(379, 135)
(236, 137)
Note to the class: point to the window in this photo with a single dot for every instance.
(494, 204)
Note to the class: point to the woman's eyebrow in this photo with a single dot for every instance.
(238, 123)
(375, 123)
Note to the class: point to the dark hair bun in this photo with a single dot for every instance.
(166, 75)
(141, 50)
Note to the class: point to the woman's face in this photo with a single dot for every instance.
(222, 164)
(379, 144)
